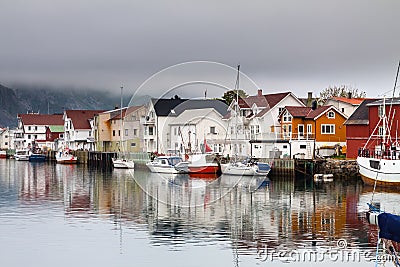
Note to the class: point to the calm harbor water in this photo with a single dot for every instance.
(70, 215)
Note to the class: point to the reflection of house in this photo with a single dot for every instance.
(109, 125)
(255, 129)
(346, 105)
(37, 127)
(357, 129)
(79, 128)
(305, 127)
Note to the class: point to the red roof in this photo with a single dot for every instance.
(41, 119)
(352, 101)
(266, 101)
(306, 112)
(80, 118)
(125, 111)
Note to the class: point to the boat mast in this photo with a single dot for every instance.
(237, 111)
(120, 122)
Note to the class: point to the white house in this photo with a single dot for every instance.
(6, 138)
(163, 112)
(193, 128)
(33, 128)
(79, 129)
(255, 130)
(346, 105)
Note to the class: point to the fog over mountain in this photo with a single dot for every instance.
(47, 100)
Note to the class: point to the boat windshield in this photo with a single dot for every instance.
(175, 160)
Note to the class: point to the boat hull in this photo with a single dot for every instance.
(162, 169)
(123, 164)
(383, 172)
(37, 158)
(21, 157)
(243, 170)
(204, 169)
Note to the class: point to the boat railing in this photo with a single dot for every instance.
(379, 154)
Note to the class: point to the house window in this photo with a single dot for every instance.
(6, 143)
(280, 110)
(381, 131)
(35, 128)
(285, 146)
(309, 128)
(35, 136)
(151, 131)
(212, 130)
(331, 115)
(113, 132)
(133, 117)
(257, 129)
(301, 129)
(90, 133)
(175, 131)
(287, 117)
(61, 136)
(343, 110)
(134, 132)
(303, 146)
(29, 128)
(126, 132)
(119, 132)
(380, 111)
(328, 128)
(133, 144)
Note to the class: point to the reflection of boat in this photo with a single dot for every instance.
(319, 177)
(168, 164)
(22, 154)
(248, 167)
(3, 154)
(63, 156)
(204, 164)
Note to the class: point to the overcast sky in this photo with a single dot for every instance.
(281, 45)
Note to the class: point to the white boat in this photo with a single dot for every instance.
(248, 167)
(65, 157)
(168, 164)
(22, 154)
(121, 163)
(379, 159)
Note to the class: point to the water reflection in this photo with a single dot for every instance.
(177, 211)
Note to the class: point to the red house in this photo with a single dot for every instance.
(364, 122)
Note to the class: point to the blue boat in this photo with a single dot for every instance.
(36, 155)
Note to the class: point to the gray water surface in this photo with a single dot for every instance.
(70, 215)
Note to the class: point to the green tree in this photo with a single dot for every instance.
(230, 95)
(340, 91)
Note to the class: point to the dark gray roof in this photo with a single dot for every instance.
(388, 101)
(163, 107)
(361, 114)
(219, 105)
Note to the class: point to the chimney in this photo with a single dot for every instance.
(259, 93)
(349, 95)
(309, 99)
(314, 105)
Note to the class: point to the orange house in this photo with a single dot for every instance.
(324, 125)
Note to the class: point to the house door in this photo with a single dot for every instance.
(301, 130)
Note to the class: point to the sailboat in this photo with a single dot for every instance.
(380, 166)
(122, 162)
(379, 159)
(250, 166)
